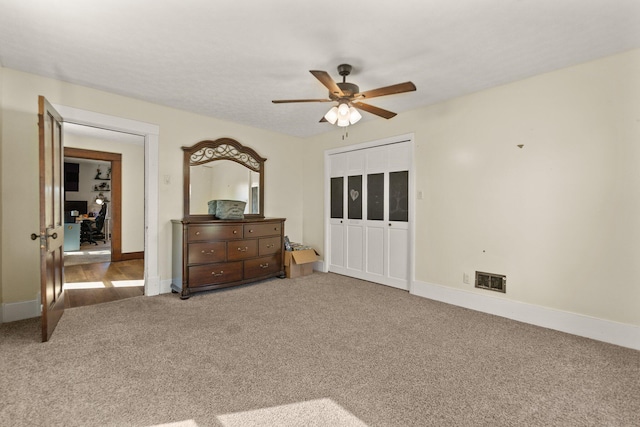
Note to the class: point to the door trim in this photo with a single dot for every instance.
(409, 137)
(150, 133)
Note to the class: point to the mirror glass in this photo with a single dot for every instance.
(223, 169)
(223, 180)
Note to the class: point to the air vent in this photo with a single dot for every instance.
(493, 282)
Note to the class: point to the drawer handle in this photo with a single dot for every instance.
(243, 250)
(270, 245)
(197, 233)
(250, 231)
(235, 231)
(264, 265)
(208, 253)
(213, 273)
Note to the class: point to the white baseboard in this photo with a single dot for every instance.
(14, 311)
(319, 266)
(621, 334)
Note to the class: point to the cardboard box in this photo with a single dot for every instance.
(299, 263)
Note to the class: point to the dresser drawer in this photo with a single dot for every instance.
(269, 245)
(259, 230)
(242, 249)
(213, 232)
(263, 265)
(212, 274)
(206, 252)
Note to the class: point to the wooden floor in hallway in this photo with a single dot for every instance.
(87, 284)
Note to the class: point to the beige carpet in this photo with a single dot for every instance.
(320, 350)
(89, 254)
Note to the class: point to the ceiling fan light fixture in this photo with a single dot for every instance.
(332, 115)
(343, 122)
(354, 116)
(343, 111)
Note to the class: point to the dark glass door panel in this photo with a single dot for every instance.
(337, 197)
(399, 196)
(375, 197)
(354, 197)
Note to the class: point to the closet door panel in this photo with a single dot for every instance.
(355, 246)
(376, 159)
(398, 253)
(375, 250)
(337, 263)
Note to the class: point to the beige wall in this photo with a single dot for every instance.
(559, 216)
(132, 185)
(20, 279)
(1, 184)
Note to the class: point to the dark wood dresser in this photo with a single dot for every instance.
(212, 254)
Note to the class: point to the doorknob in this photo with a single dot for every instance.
(54, 235)
(34, 236)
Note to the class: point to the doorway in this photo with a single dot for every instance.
(100, 270)
(87, 211)
(150, 134)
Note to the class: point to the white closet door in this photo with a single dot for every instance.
(377, 242)
(337, 233)
(355, 215)
(369, 224)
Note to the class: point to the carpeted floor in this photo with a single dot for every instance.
(321, 350)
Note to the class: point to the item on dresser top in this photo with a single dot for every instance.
(227, 209)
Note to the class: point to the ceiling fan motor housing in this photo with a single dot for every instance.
(349, 89)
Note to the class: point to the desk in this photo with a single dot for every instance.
(71, 237)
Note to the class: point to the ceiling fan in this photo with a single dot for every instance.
(348, 96)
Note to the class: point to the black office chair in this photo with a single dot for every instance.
(98, 224)
(86, 232)
(90, 231)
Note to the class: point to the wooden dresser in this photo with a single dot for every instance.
(212, 254)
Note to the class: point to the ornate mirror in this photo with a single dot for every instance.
(222, 169)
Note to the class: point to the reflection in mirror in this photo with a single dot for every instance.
(224, 180)
(223, 169)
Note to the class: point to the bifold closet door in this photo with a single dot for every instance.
(369, 232)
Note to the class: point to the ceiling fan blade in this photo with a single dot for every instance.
(329, 83)
(374, 110)
(284, 101)
(387, 90)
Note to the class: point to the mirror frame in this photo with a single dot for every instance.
(221, 149)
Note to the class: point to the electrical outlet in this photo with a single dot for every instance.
(465, 278)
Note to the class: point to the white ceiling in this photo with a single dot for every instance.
(228, 58)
